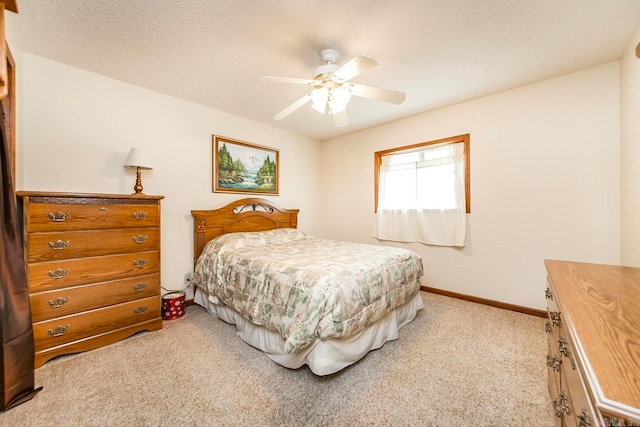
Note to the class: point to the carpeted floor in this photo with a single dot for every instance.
(457, 364)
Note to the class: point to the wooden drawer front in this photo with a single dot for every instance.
(554, 362)
(91, 343)
(65, 217)
(553, 312)
(554, 366)
(553, 336)
(581, 409)
(552, 305)
(66, 329)
(579, 403)
(80, 244)
(45, 276)
(62, 302)
(553, 383)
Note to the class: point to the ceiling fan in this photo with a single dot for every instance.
(332, 88)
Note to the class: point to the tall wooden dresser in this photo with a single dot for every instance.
(93, 266)
(593, 327)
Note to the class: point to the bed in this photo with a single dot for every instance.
(298, 298)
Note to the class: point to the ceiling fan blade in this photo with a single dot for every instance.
(356, 65)
(293, 107)
(371, 92)
(341, 119)
(277, 79)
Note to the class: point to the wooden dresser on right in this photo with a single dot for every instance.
(593, 326)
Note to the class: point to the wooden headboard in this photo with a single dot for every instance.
(252, 214)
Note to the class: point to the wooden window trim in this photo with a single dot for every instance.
(377, 162)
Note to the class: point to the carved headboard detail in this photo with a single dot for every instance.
(251, 214)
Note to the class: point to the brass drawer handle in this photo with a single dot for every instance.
(141, 310)
(584, 419)
(563, 403)
(562, 347)
(140, 286)
(58, 302)
(102, 208)
(58, 216)
(548, 294)
(555, 318)
(140, 215)
(553, 362)
(59, 273)
(556, 407)
(59, 331)
(140, 239)
(58, 245)
(140, 262)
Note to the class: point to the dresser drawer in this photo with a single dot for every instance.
(74, 327)
(96, 341)
(51, 275)
(553, 336)
(69, 216)
(46, 246)
(554, 362)
(553, 312)
(580, 409)
(62, 302)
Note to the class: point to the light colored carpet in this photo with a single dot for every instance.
(457, 364)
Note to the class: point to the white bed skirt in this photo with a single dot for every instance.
(324, 357)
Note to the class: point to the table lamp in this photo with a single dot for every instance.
(139, 159)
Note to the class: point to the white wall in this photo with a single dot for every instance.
(78, 128)
(630, 154)
(544, 183)
(545, 176)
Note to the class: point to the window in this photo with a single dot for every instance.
(422, 192)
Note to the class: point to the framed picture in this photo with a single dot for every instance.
(240, 167)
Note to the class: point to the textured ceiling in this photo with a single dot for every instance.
(438, 52)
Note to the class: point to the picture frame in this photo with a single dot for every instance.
(242, 167)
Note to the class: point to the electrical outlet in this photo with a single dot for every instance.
(187, 278)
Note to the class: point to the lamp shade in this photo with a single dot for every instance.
(336, 98)
(319, 99)
(138, 158)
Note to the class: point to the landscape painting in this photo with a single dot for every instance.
(240, 167)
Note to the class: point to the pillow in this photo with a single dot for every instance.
(253, 239)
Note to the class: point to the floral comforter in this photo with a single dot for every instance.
(305, 287)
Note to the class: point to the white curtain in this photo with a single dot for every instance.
(421, 197)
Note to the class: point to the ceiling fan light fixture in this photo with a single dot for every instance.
(329, 56)
(339, 98)
(336, 107)
(324, 70)
(319, 98)
(332, 90)
(341, 94)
